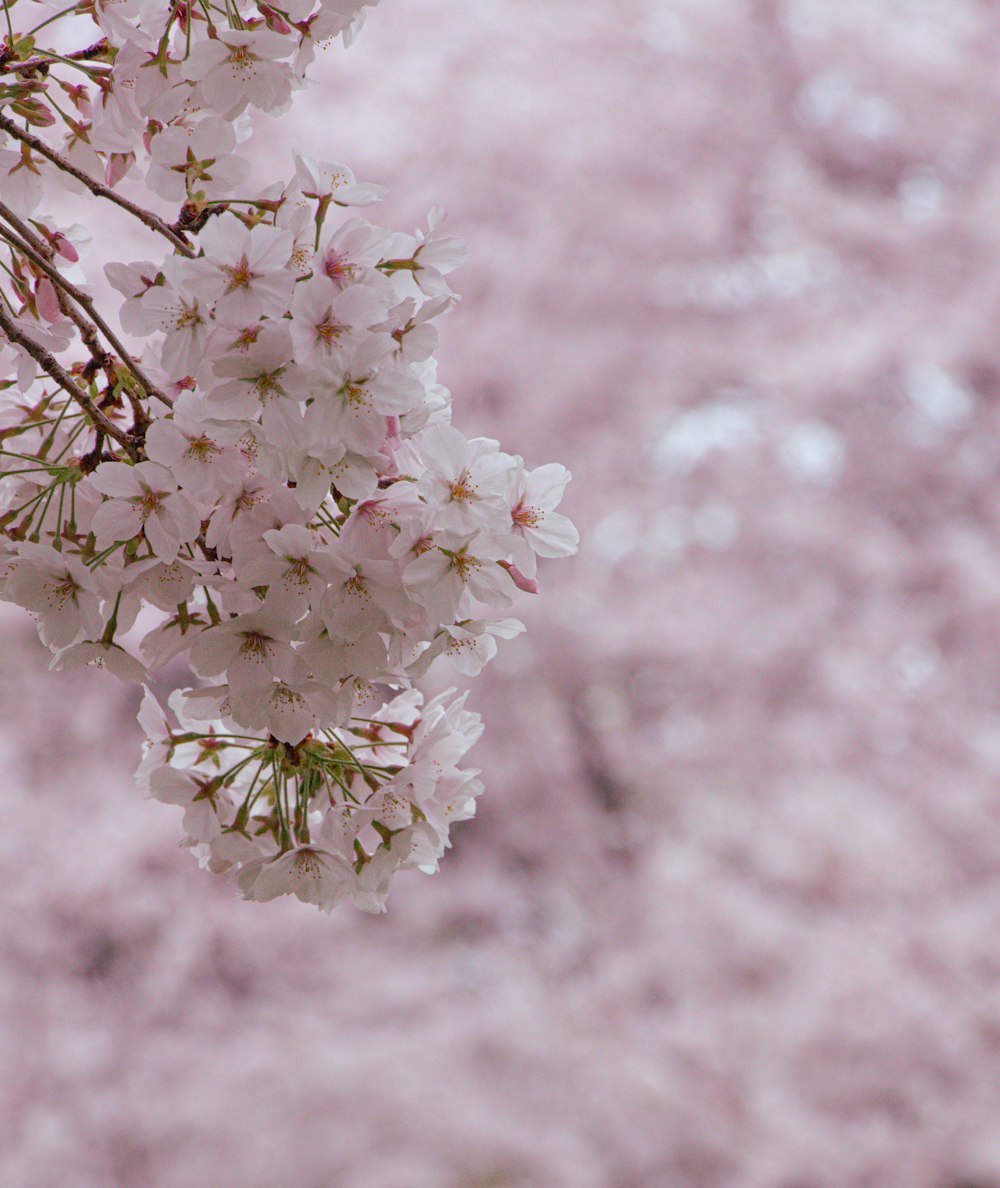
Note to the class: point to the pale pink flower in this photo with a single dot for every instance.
(200, 797)
(469, 646)
(350, 252)
(118, 124)
(200, 159)
(143, 498)
(164, 584)
(328, 182)
(327, 320)
(20, 180)
(250, 509)
(294, 568)
(426, 258)
(359, 394)
(244, 272)
(338, 659)
(189, 449)
(464, 481)
(251, 649)
(58, 589)
(309, 873)
(364, 593)
(539, 530)
(101, 654)
(239, 67)
(446, 577)
(133, 281)
(181, 316)
(123, 20)
(261, 372)
(290, 712)
(410, 325)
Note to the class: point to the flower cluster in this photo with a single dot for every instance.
(271, 490)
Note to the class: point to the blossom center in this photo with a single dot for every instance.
(240, 275)
(463, 487)
(242, 62)
(466, 565)
(357, 395)
(299, 570)
(248, 500)
(202, 448)
(149, 502)
(526, 517)
(63, 592)
(186, 316)
(330, 330)
(255, 646)
(337, 267)
(268, 383)
(356, 587)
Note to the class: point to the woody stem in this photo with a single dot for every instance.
(51, 366)
(154, 222)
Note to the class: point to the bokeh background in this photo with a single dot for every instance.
(730, 915)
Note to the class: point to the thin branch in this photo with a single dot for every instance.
(100, 359)
(42, 65)
(21, 241)
(92, 51)
(154, 222)
(51, 366)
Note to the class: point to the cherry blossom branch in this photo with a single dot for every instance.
(154, 222)
(42, 65)
(291, 408)
(21, 241)
(100, 359)
(51, 366)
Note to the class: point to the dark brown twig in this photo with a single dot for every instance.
(154, 222)
(52, 368)
(20, 239)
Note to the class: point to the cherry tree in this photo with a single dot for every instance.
(250, 464)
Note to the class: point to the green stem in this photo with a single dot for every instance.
(49, 20)
(109, 631)
(10, 24)
(92, 72)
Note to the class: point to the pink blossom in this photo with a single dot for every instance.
(143, 498)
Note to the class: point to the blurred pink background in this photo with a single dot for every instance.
(731, 912)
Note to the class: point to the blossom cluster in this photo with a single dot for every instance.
(271, 491)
